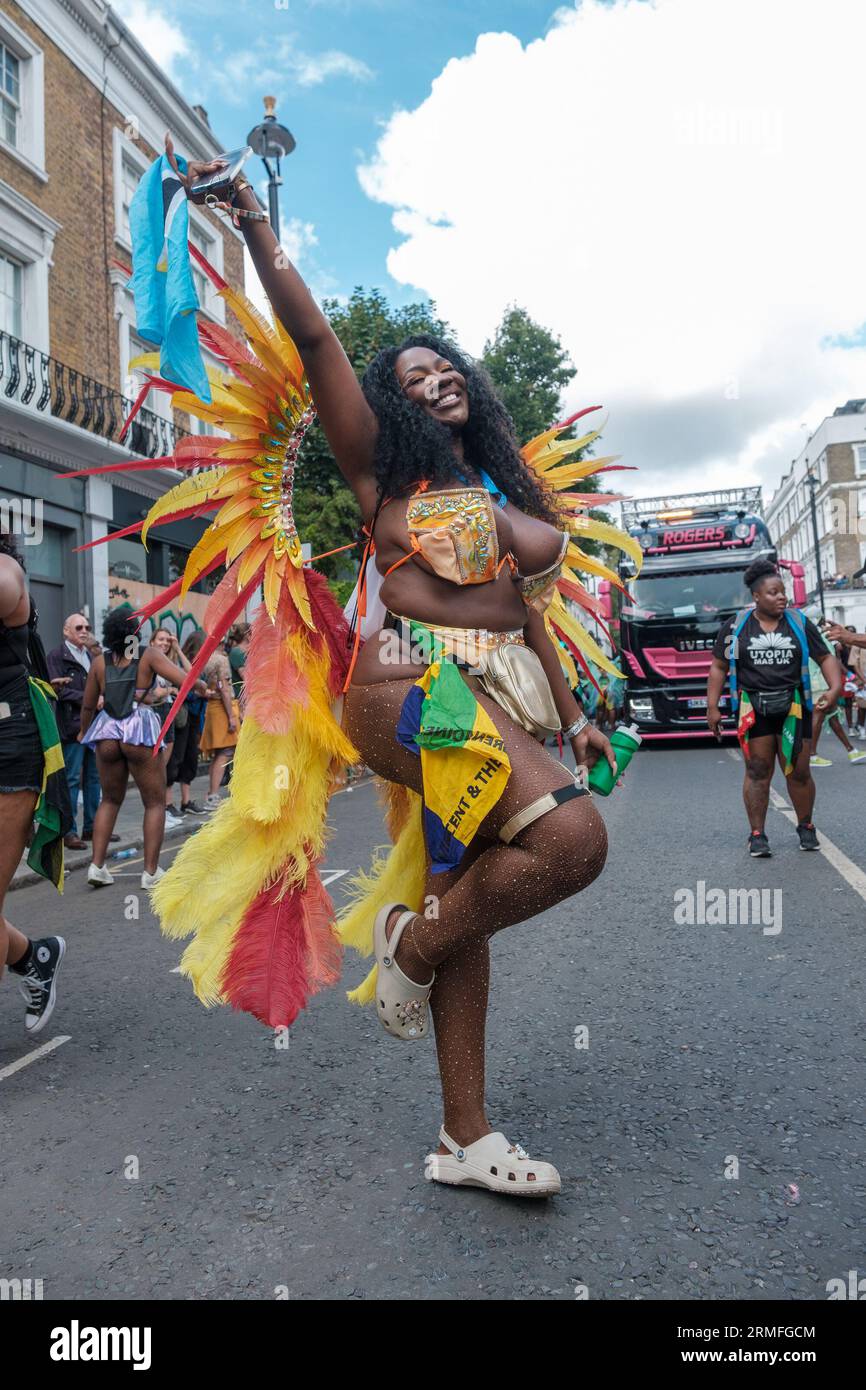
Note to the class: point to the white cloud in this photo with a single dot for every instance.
(310, 70)
(164, 40)
(277, 66)
(677, 189)
(297, 239)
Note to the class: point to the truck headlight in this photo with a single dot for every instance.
(641, 708)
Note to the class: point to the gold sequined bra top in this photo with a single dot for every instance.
(454, 530)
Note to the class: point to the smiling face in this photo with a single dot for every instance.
(770, 597)
(431, 383)
(162, 639)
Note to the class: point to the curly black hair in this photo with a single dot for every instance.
(758, 571)
(117, 628)
(411, 445)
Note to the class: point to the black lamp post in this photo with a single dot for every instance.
(812, 483)
(271, 141)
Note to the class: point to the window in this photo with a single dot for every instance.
(130, 177)
(10, 94)
(10, 296)
(860, 459)
(22, 98)
(202, 242)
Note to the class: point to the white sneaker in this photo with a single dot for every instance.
(99, 877)
(151, 880)
(172, 822)
(212, 801)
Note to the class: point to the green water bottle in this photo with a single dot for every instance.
(625, 743)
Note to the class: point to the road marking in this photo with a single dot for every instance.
(852, 874)
(34, 1056)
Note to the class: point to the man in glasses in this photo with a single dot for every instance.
(68, 666)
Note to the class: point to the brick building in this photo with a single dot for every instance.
(83, 109)
(835, 456)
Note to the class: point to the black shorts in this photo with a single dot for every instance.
(21, 757)
(767, 724)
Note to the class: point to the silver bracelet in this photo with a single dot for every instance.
(576, 728)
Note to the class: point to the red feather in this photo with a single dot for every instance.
(170, 593)
(206, 266)
(266, 972)
(209, 646)
(332, 626)
(324, 950)
(274, 685)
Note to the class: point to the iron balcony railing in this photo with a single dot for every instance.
(34, 378)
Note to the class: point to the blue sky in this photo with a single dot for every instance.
(671, 186)
(370, 57)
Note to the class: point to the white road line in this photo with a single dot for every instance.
(852, 874)
(34, 1056)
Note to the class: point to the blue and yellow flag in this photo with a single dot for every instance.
(464, 764)
(162, 283)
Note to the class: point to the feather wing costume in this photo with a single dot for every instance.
(246, 886)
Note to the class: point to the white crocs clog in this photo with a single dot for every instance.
(493, 1163)
(401, 1002)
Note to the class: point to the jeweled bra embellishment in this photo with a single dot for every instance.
(467, 514)
(274, 485)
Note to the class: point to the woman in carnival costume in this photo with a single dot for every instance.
(457, 669)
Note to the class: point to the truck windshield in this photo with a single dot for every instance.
(700, 595)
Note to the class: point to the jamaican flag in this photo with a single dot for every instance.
(792, 729)
(464, 764)
(53, 814)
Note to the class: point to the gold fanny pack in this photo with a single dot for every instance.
(508, 671)
(514, 677)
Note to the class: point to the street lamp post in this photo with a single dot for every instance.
(272, 141)
(813, 483)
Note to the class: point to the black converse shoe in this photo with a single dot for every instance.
(808, 836)
(39, 985)
(759, 845)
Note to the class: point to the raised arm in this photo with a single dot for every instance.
(349, 423)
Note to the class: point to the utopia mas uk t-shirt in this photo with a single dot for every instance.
(768, 660)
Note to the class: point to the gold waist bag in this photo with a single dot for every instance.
(513, 676)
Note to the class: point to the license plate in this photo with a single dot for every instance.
(697, 704)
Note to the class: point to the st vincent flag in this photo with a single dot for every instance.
(464, 765)
(162, 283)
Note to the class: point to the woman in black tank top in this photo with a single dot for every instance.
(124, 732)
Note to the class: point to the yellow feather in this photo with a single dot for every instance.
(561, 617)
(260, 334)
(240, 534)
(206, 548)
(588, 563)
(274, 570)
(190, 492)
(255, 557)
(298, 590)
(608, 535)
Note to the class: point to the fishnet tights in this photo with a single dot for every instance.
(495, 886)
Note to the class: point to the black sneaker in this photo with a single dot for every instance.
(192, 808)
(39, 985)
(808, 836)
(759, 845)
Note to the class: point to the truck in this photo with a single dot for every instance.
(697, 547)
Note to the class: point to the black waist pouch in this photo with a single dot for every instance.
(770, 702)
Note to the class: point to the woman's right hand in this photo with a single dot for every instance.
(194, 171)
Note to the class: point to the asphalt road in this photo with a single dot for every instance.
(710, 1136)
